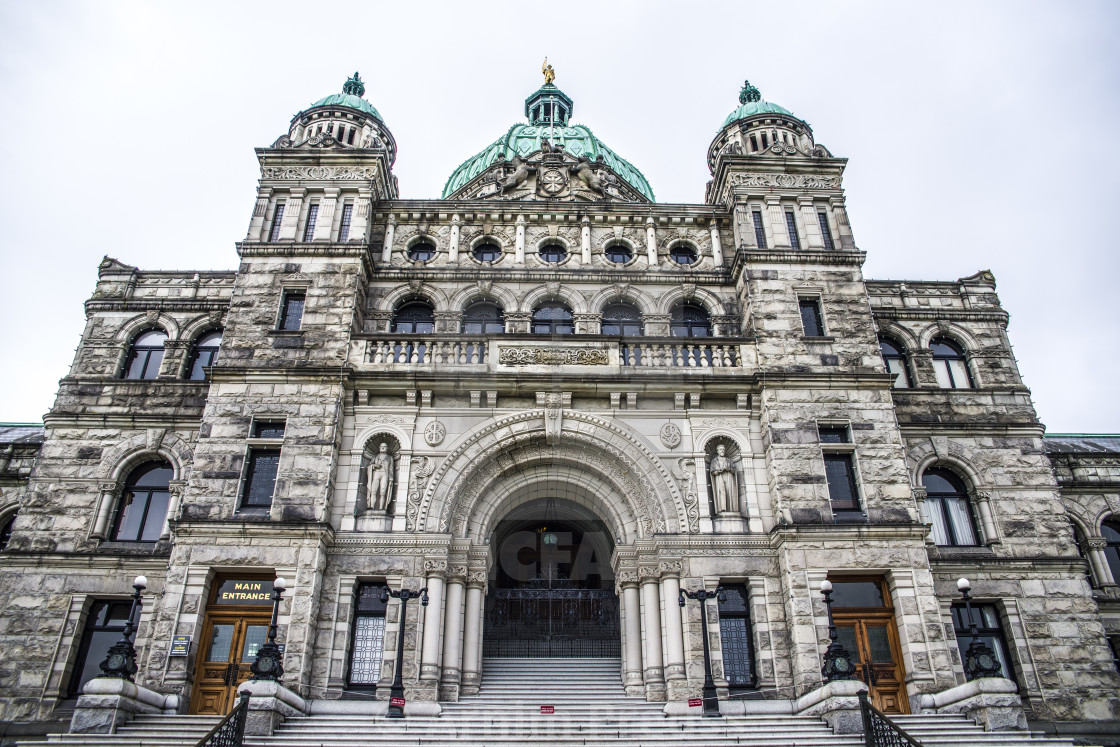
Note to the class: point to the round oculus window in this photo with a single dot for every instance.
(487, 251)
(553, 253)
(620, 254)
(683, 254)
(421, 251)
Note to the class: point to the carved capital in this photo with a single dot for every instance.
(648, 573)
(476, 580)
(457, 574)
(982, 496)
(627, 578)
(1097, 544)
(671, 568)
(437, 568)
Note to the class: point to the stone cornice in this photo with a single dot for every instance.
(457, 274)
(895, 313)
(186, 531)
(161, 304)
(546, 211)
(1034, 565)
(794, 533)
(745, 257)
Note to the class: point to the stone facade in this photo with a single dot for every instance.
(619, 430)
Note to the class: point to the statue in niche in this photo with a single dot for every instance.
(724, 482)
(379, 479)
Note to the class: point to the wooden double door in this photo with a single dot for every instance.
(872, 640)
(228, 646)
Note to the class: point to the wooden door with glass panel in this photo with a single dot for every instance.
(229, 646)
(865, 626)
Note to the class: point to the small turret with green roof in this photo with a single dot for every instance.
(346, 117)
(760, 127)
(751, 104)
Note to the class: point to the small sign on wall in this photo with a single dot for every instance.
(695, 702)
(548, 709)
(396, 702)
(180, 645)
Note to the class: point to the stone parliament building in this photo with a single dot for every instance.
(555, 403)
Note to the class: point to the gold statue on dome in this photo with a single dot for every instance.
(549, 73)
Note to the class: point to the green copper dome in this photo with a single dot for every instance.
(523, 139)
(751, 103)
(351, 96)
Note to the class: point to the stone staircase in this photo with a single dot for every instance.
(591, 708)
(957, 731)
(142, 731)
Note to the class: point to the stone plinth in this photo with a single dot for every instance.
(837, 703)
(992, 702)
(108, 702)
(269, 704)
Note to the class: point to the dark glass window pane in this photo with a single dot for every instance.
(145, 356)
(483, 319)
(143, 505)
(421, 251)
(879, 644)
(261, 480)
(1111, 533)
(268, 429)
(154, 516)
(811, 317)
(414, 318)
(834, 435)
(553, 253)
(857, 594)
(221, 640)
(825, 232)
(277, 219)
(683, 254)
(791, 226)
(344, 227)
(6, 532)
(487, 251)
(312, 216)
(689, 320)
(204, 355)
(620, 254)
(944, 349)
(255, 636)
(553, 318)
(104, 626)
(988, 629)
(759, 232)
(621, 319)
(367, 644)
(735, 635)
(292, 314)
(841, 482)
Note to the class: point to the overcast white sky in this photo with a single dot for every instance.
(982, 135)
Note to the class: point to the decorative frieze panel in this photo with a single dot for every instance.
(511, 356)
(342, 173)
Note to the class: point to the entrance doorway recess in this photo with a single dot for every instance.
(865, 625)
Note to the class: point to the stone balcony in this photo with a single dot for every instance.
(478, 354)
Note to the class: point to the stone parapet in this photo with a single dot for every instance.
(992, 702)
(270, 703)
(837, 703)
(106, 703)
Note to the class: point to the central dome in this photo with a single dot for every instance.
(548, 110)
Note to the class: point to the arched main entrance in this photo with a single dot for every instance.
(552, 589)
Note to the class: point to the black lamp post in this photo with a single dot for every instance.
(711, 699)
(396, 690)
(838, 664)
(979, 659)
(267, 665)
(121, 659)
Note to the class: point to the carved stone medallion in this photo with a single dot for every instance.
(670, 436)
(434, 433)
(552, 182)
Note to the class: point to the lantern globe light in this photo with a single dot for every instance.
(826, 586)
(141, 581)
(280, 583)
(963, 584)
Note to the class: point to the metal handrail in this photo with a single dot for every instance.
(879, 730)
(231, 730)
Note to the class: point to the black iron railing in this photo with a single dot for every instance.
(880, 731)
(552, 622)
(230, 730)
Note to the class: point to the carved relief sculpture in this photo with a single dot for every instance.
(724, 483)
(379, 479)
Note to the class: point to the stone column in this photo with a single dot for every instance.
(390, 233)
(452, 635)
(453, 246)
(651, 242)
(843, 228)
(779, 239)
(256, 223)
(983, 500)
(433, 616)
(104, 510)
(324, 224)
(717, 249)
(472, 634)
(675, 677)
(176, 488)
(813, 237)
(632, 622)
(1099, 562)
(292, 212)
(651, 629)
(359, 222)
(585, 241)
(519, 245)
(920, 499)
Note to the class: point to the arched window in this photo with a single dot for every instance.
(948, 508)
(6, 531)
(143, 505)
(553, 252)
(895, 361)
(484, 318)
(552, 318)
(487, 251)
(145, 355)
(421, 251)
(619, 254)
(683, 254)
(414, 317)
(949, 365)
(690, 320)
(205, 353)
(622, 319)
(1110, 530)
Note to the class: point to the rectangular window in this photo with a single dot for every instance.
(736, 637)
(826, 233)
(367, 643)
(834, 434)
(344, 227)
(104, 626)
(988, 630)
(811, 320)
(759, 232)
(312, 215)
(277, 219)
(791, 226)
(291, 310)
(841, 475)
(260, 480)
(271, 429)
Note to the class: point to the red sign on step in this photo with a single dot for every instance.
(548, 709)
(695, 702)
(396, 702)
